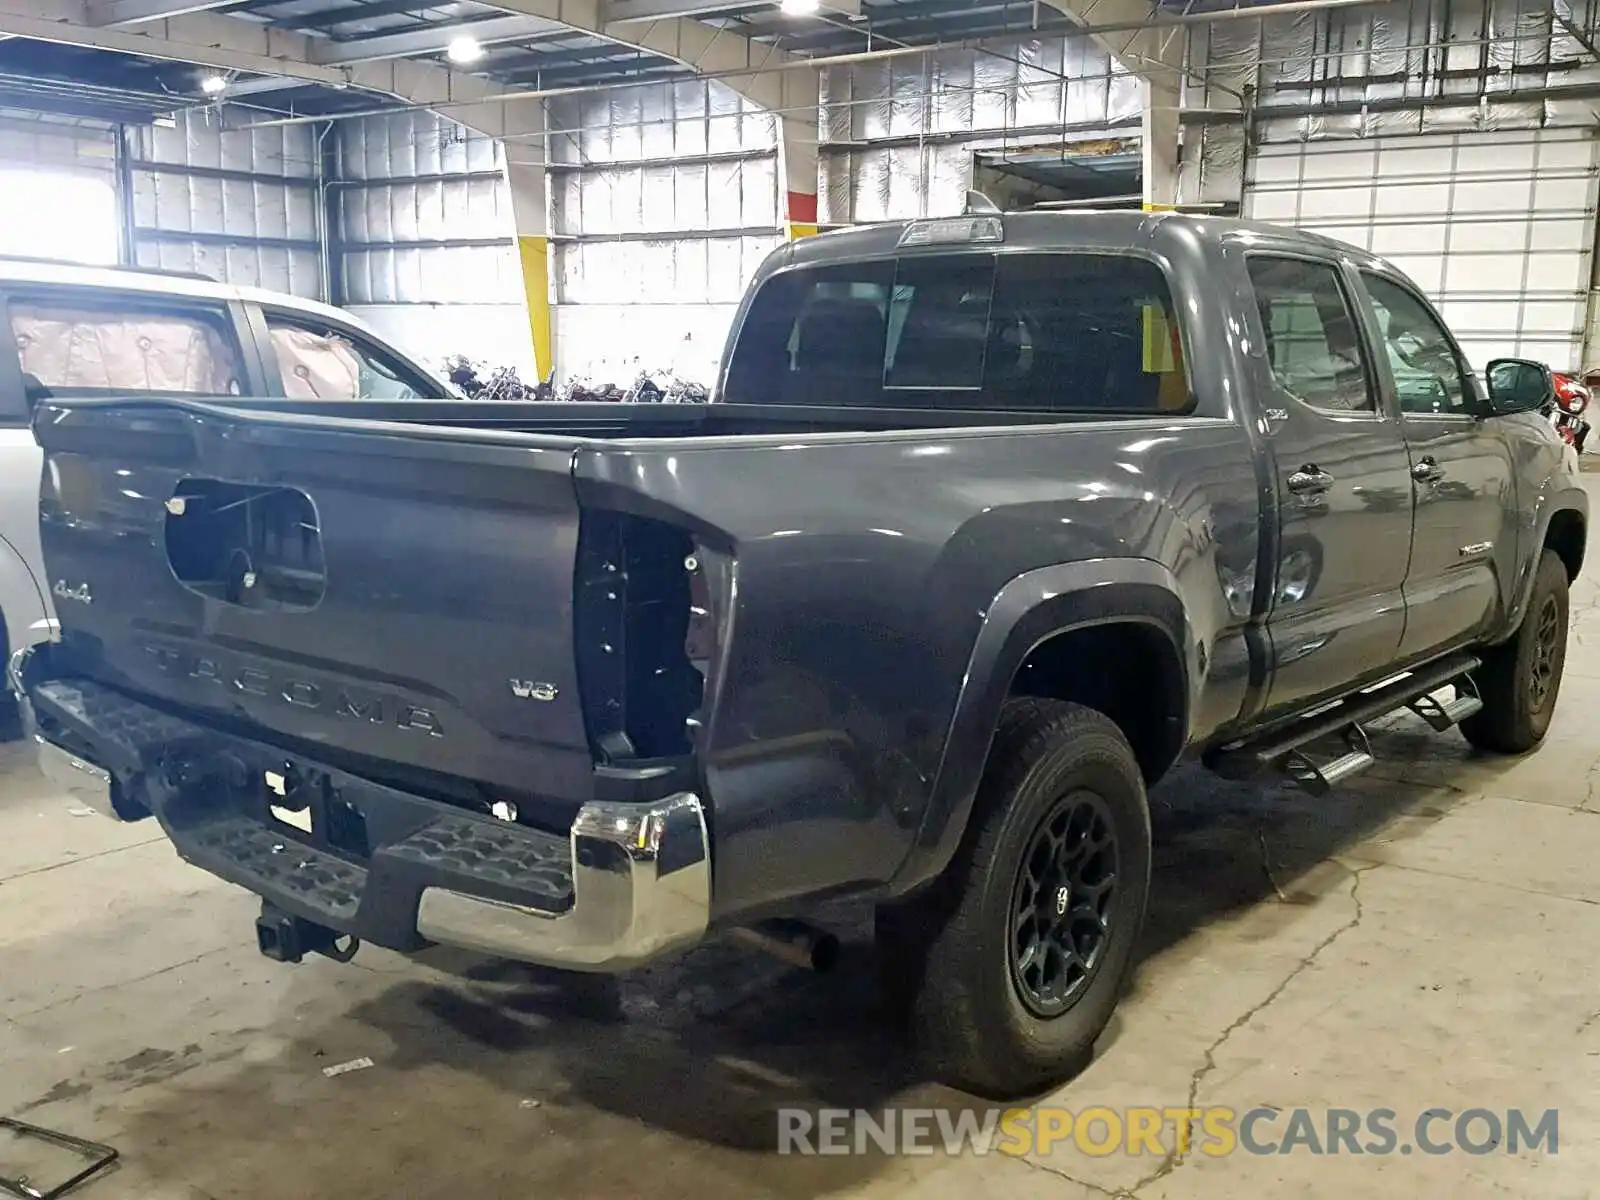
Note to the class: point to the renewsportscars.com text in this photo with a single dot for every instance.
(1158, 1132)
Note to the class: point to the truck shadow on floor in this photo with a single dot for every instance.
(698, 1057)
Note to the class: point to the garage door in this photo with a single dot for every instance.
(1498, 228)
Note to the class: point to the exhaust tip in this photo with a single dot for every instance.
(825, 954)
(794, 942)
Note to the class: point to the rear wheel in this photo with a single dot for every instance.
(1520, 681)
(1012, 964)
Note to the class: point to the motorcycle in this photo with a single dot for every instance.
(1567, 414)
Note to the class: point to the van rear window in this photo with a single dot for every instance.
(1050, 332)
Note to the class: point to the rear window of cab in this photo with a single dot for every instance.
(1067, 332)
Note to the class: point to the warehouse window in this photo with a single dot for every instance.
(108, 343)
(1311, 336)
(66, 215)
(1068, 332)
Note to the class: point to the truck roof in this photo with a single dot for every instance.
(51, 272)
(1089, 229)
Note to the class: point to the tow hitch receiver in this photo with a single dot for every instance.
(285, 938)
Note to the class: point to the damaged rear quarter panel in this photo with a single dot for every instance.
(865, 571)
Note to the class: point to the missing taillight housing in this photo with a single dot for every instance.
(646, 635)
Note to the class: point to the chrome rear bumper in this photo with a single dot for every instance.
(641, 890)
(639, 887)
(80, 779)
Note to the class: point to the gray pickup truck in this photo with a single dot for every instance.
(993, 520)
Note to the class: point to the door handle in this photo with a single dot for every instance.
(1310, 481)
(1427, 471)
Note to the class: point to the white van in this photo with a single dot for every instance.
(94, 331)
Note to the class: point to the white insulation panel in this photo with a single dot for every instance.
(280, 203)
(711, 216)
(961, 101)
(424, 179)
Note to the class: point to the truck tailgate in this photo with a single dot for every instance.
(398, 597)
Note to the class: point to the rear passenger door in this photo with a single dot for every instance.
(1464, 545)
(1342, 479)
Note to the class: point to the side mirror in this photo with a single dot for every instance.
(1518, 385)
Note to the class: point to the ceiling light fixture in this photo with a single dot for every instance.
(213, 85)
(800, 8)
(465, 50)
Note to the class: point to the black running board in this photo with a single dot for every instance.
(1284, 749)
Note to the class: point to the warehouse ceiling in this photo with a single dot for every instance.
(122, 65)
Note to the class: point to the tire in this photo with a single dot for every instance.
(983, 1014)
(1520, 681)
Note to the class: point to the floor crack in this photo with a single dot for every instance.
(17, 1018)
(1473, 879)
(1589, 795)
(1180, 1153)
(84, 858)
(1034, 1163)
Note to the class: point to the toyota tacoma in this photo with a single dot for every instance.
(992, 520)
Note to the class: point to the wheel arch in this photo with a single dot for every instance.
(1567, 533)
(1027, 637)
(1562, 525)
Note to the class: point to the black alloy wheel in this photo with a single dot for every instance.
(1062, 904)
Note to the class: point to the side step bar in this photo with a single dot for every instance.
(1285, 749)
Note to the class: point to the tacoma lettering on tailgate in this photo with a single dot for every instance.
(330, 699)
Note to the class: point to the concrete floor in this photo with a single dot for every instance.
(1427, 937)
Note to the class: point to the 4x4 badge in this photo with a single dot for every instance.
(524, 689)
(81, 593)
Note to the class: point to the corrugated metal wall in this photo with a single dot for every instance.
(664, 200)
(241, 206)
(926, 117)
(1455, 137)
(1423, 67)
(424, 213)
(423, 234)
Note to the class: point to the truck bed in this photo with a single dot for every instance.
(543, 606)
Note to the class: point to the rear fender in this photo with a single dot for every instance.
(1554, 500)
(1029, 610)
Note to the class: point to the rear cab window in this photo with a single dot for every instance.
(86, 342)
(1313, 343)
(1073, 332)
(320, 361)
